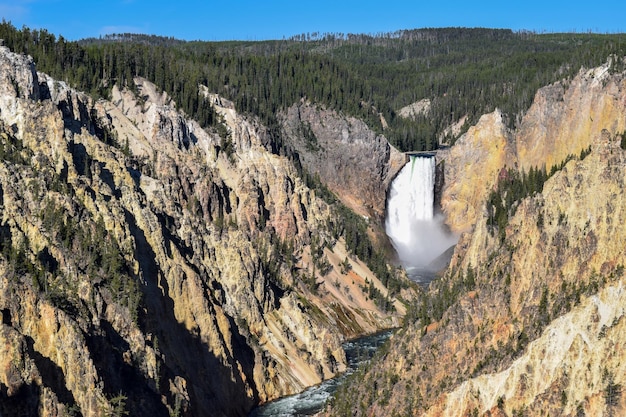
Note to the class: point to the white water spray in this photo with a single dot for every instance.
(417, 234)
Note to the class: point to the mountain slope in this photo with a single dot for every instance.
(527, 318)
(351, 160)
(463, 72)
(154, 267)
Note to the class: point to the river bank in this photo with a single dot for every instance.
(312, 400)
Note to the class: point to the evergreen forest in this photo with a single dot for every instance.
(463, 72)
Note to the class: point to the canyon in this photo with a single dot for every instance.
(154, 267)
(150, 265)
(527, 319)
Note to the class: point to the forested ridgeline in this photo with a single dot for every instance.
(462, 71)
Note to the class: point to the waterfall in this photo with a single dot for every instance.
(412, 196)
(417, 234)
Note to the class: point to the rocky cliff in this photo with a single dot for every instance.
(562, 121)
(154, 267)
(528, 320)
(354, 162)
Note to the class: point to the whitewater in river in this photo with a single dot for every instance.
(419, 236)
(312, 400)
(416, 232)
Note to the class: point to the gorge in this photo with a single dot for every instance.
(523, 311)
(193, 229)
(139, 257)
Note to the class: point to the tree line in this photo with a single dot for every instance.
(462, 71)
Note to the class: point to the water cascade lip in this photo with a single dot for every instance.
(415, 230)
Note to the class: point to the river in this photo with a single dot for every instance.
(313, 399)
(421, 276)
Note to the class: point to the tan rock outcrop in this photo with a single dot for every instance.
(413, 110)
(527, 320)
(572, 253)
(477, 158)
(573, 366)
(155, 267)
(562, 121)
(566, 116)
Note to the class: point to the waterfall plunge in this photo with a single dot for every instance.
(417, 234)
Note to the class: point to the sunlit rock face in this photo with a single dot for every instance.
(471, 169)
(563, 120)
(143, 264)
(532, 319)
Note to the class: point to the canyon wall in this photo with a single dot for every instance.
(153, 267)
(528, 319)
(353, 161)
(562, 121)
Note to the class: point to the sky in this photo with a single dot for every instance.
(266, 19)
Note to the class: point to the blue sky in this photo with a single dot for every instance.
(258, 20)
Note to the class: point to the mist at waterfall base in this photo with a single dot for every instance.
(416, 232)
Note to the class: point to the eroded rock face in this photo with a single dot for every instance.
(532, 319)
(563, 269)
(413, 110)
(567, 116)
(562, 121)
(354, 162)
(471, 168)
(147, 269)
